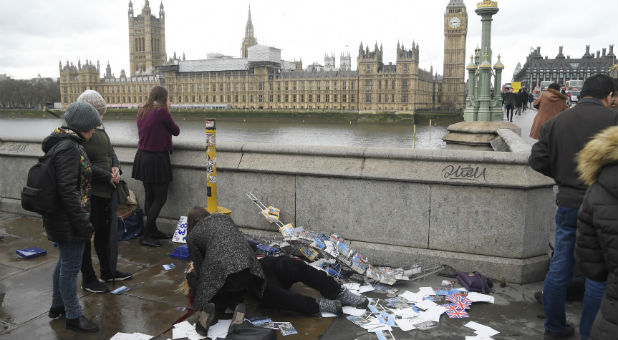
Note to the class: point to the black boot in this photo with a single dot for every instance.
(159, 235)
(150, 242)
(207, 317)
(82, 324)
(56, 312)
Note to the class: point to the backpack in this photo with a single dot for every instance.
(131, 225)
(39, 195)
(475, 282)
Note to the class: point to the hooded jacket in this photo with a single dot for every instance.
(73, 174)
(549, 104)
(596, 247)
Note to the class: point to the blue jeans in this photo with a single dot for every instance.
(65, 278)
(559, 277)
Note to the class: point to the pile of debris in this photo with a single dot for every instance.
(332, 254)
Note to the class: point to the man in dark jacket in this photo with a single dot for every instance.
(597, 226)
(509, 103)
(70, 226)
(560, 139)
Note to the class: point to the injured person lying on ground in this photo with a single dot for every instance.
(224, 268)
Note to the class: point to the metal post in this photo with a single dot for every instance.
(211, 169)
(414, 137)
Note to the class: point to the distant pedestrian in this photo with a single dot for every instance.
(560, 139)
(523, 97)
(549, 104)
(151, 165)
(70, 227)
(530, 99)
(103, 204)
(509, 103)
(597, 226)
(519, 102)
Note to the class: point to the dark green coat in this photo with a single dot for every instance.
(101, 154)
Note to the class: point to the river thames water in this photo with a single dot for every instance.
(314, 132)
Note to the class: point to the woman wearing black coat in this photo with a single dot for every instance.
(70, 226)
(596, 247)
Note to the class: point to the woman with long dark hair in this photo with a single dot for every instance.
(152, 166)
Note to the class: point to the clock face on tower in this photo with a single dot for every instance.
(454, 22)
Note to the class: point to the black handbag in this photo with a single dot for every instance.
(247, 331)
(122, 190)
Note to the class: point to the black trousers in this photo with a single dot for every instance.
(233, 291)
(282, 272)
(156, 196)
(100, 219)
(509, 113)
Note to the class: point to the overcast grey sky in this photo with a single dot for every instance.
(36, 34)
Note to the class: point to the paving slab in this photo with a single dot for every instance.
(153, 302)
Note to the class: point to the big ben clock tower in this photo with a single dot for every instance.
(455, 31)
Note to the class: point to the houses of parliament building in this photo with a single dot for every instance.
(259, 79)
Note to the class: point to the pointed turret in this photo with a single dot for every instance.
(249, 39)
(161, 10)
(249, 26)
(130, 8)
(146, 9)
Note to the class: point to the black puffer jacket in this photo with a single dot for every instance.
(71, 223)
(597, 228)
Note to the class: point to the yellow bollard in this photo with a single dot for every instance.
(211, 170)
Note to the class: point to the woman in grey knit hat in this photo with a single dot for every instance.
(70, 226)
(103, 205)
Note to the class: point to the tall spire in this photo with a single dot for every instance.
(249, 39)
(249, 27)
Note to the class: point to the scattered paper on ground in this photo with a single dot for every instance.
(185, 330)
(353, 311)
(478, 297)
(481, 330)
(131, 336)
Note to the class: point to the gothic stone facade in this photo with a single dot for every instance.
(374, 86)
(562, 69)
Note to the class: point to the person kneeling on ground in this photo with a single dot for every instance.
(279, 273)
(224, 265)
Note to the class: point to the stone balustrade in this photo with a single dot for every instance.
(474, 210)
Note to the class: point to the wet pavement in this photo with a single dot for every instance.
(153, 303)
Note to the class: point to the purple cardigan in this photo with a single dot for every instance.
(155, 130)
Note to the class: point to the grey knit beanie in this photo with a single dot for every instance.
(82, 117)
(95, 99)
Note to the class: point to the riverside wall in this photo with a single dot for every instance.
(474, 210)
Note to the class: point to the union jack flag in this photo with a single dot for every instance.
(457, 314)
(459, 299)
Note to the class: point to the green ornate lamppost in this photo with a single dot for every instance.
(481, 105)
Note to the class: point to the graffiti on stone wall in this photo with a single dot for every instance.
(13, 147)
(466, 173)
